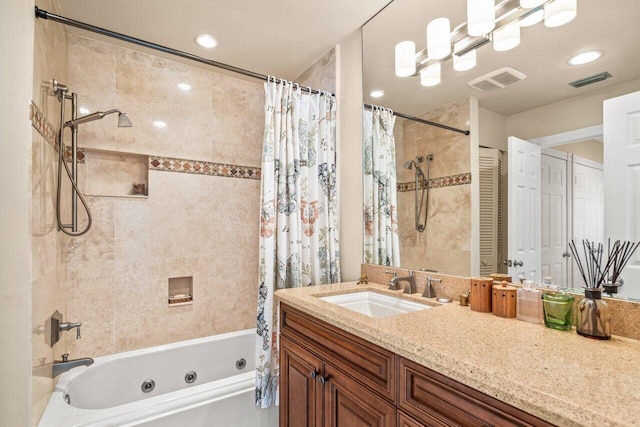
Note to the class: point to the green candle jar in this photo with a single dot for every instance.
(558, 311)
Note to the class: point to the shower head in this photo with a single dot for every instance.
(411, 163)
(408, 165)
(123, 120)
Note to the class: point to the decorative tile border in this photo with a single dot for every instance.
(42, 125)
(445, 181)
(169, 164)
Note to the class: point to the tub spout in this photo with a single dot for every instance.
(60, 366)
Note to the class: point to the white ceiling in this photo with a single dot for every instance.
(281, 37)
(610, 26)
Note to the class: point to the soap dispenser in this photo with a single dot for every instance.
(529, 303)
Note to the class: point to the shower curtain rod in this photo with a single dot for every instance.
(41, 13)
(423, 121)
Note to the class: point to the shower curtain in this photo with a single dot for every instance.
(381, 241)
(299, 243)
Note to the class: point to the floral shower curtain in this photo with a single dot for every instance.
(381, 241)
(299, 243)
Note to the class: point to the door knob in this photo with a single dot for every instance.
(313, 374)
(517, 263)
(323, 380)
(566, 255)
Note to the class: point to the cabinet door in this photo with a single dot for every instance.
(349, 404)
(300, 391)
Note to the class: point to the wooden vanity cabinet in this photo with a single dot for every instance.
(331, 378)
(437, 400)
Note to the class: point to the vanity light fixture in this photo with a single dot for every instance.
(405, 58)
(481, 17)
(585, 57)
(439, 38)
(205, 40)
(507, 37)
(160, 124)
(486, 22)
(530, 4)
(184, 87)
(430, 76)
(378, 93)
(560, 12)
(532, 18)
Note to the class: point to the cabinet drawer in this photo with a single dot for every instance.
(430, 397)
(367, 363)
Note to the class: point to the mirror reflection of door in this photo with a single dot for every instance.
(523, 212)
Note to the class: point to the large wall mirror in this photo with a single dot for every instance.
(468, 225)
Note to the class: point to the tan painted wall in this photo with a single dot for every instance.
(349, 123)
(492, 129)
(575, 113)
(16, 69)
(591, 149)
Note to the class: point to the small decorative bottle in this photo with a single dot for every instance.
(529, 303)
(593, 317)
(558, 311)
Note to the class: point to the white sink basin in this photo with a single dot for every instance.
(373, 304)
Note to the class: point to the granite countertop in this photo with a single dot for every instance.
(558, 376)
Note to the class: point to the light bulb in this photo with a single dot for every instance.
(560, 12)
(481, 17)
(438, 38)
(405, 58)
(430, 76)
(507, 37)
(465, 62)
(585, 57)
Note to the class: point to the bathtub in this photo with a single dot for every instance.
(110, 392)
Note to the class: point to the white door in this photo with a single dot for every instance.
(524, 209)
(588, 206)
(622, 180)
(554, 190)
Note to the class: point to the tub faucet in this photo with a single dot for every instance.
(410, 286)
(60, 366)
(67, 326)
(428, 290)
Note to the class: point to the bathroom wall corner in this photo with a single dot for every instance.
(474, 128)
(16, 50)
(349, 134)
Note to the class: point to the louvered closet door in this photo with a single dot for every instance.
(489, 178)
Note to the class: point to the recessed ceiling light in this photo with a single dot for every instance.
(184, 86)
(83, 110)
(377, 93)
(160, 124)
(585, 57)
(205, 40)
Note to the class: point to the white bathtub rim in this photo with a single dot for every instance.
(67, 377)
(59, 414)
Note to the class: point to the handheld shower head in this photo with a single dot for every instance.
(408, 165)
(123, 120)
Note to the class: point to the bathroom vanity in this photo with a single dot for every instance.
(445, 366)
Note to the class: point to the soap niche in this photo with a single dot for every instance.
(116, 174)
(180, 290)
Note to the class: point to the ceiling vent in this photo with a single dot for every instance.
(591, 79)
(499, 79)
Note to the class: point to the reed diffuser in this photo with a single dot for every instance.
(593, 317)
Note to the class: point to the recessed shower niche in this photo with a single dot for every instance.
(116, 174)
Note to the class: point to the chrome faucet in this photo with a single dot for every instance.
(60, 366)
(409, 287)
(428, 290)
(392, 284)
(67, 326)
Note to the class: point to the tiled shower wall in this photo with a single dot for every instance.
(190, 225)
(48, 291)
(445, 244)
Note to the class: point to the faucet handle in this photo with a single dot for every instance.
(394, 273)
(65, 357)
